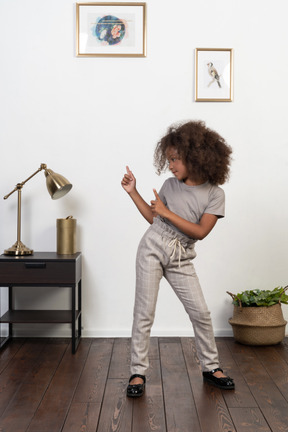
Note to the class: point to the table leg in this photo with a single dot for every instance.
(76, 332)
(5, 339)
(73, 319)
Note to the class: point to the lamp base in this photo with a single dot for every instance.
(18, 249)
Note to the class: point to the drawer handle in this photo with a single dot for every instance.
(35, 265)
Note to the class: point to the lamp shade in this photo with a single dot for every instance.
(57, 185)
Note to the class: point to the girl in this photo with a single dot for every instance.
(185, 210)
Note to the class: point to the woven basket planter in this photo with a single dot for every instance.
(258, 325)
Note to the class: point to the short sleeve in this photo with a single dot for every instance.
(161, 193)
(216, 205)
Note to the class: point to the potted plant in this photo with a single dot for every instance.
(257, 317)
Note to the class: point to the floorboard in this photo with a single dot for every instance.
(45, 388)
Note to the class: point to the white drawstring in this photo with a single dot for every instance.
(174, 243)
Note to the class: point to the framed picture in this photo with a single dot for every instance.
(214, 74)
(111, 29)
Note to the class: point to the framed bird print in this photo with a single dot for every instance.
(111, 29)
(213, 74)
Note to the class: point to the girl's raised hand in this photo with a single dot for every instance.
(128, 182)
(157, 206)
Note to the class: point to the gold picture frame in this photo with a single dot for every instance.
(214, 75)
(111, 29)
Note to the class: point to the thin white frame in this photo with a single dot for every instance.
(207, 88)
(89, 43)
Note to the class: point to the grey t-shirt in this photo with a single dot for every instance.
(191, 202)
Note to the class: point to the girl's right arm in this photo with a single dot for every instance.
(129, 185)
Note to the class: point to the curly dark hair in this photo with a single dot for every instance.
(204, 152)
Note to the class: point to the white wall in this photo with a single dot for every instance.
(89, 117)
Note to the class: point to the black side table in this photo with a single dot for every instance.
(46, 269)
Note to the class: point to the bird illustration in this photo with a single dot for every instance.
(214, 74)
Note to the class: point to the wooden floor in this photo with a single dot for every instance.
(44, 388)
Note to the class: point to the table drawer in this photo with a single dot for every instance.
(37, 272)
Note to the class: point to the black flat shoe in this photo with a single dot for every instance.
(222, 383)
(136, 390)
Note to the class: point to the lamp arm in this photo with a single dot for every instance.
(20, 185)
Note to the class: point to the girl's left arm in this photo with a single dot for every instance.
(193, 230)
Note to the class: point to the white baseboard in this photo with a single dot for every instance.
(47, 330)
(42, 330)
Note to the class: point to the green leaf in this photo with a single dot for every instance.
(257, 297)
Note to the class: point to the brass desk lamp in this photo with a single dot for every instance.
(57, 186)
